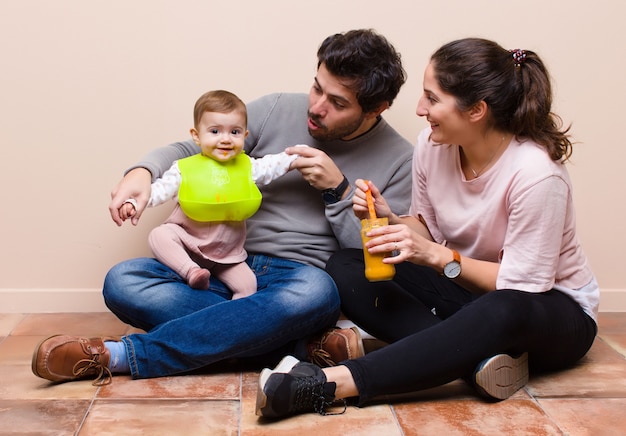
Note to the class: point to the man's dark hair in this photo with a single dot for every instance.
(369, 61)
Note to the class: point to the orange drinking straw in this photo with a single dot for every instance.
(370, 201)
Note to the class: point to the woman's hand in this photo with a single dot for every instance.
(359, 201)
(408, 245)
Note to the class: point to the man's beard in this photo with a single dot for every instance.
(324, 134)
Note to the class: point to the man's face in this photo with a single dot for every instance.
(334, 112)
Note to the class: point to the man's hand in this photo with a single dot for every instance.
(135, 185)
(316, 167)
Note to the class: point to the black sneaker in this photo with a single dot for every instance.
(294, 387)
(501, 376)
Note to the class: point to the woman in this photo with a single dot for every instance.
(491, 278)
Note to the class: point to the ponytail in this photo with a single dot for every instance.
(532, 117)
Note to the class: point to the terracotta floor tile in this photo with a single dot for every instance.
(18, 382)
(602, 373)
(8, 321)
(18, 349)
(612, 322)
(474, 417)
(372, 421)
(161, 417)
(587, 416)
(38, 417)
(210, 386)
(588, 399)
(617, 341)
(79, 324)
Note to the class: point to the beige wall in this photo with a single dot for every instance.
(88, 87)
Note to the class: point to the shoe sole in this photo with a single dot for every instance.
(284, 366)
(502, 376)
(360, 347)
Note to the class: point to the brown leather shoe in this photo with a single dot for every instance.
(63, 358)
(334, 346)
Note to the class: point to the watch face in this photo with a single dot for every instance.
(329, 197)
(452, 270)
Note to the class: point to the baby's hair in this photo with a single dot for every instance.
(218, 101)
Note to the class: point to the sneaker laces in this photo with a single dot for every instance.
(310, 394)
(87, 367)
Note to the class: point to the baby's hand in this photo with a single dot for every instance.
(294, 148)
(293, 152)
(127, 209)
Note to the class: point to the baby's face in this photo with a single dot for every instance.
(221, 136)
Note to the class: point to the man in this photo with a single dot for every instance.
(305, 216)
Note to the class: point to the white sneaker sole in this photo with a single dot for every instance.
(284, 366)
(502, 375)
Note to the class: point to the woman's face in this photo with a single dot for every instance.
(448, 123)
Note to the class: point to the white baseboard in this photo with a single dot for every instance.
(90, 300)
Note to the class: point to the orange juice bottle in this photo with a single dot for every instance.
(375, 269)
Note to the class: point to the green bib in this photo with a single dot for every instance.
(217, 191)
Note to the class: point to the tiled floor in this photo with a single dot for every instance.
(589, 399)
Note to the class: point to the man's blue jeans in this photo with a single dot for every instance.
(188, 329)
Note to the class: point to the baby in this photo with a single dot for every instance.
(216, 193)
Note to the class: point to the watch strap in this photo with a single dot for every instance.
(333, 195)
(455, 255)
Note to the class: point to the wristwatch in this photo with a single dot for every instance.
(333, 195)
(452, 269)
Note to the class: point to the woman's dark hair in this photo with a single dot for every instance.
(515, 85)
(369, 61)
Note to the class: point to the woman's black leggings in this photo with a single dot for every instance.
(438, 332)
